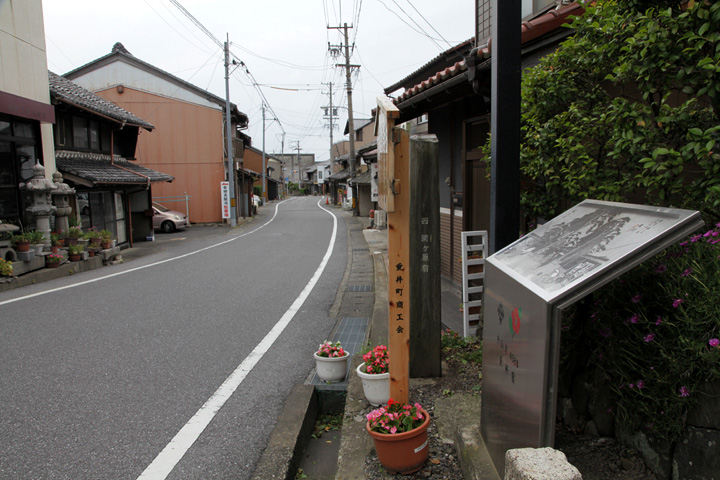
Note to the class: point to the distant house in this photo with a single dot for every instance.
(188, 141)
(452, 93)
(295, 165)
(274, 186)
(95, 141)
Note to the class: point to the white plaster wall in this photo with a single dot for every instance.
(23, 62)
(131, 76)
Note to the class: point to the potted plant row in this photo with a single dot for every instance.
(75, 252)
(6, 268)
(331, 362)
(53, 260)
(400, 435)
(374, 374)
(21, 242)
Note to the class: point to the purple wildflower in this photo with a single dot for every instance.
(677, 302)
(695, 238)
(714, 342)
(682, 244)
(686, 272)
(684, 392)
(662, 268)
(640, 384)
(636, 298)
(649, 337)
(659, 320)
(634, 318)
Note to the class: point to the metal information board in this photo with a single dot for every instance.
(529, 283)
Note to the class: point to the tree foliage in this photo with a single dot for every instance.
(627, 109)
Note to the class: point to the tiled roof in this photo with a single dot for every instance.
(99, 169)
(122, 53)
(341, 175)
(62, 89)
(530, 30)
(362, 179)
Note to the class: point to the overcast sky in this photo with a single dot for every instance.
(283, 43)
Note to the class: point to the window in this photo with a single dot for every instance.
(80, 132)
(18, 156)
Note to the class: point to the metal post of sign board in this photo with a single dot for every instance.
(529, 283)
(473, 274)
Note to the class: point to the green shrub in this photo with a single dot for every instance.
(655, 332)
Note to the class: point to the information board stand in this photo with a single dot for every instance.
(529, 283)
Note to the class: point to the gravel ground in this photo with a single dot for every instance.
(597, 458)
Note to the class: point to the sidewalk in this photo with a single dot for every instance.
(457, 417)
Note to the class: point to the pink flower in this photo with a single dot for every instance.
(684, 392)
(649, 337)
(714, 342)
(677, 302)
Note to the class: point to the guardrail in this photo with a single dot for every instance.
(175, 199)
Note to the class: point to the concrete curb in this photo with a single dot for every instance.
(45, 274)
(290, 435)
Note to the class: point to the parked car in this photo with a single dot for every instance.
(167, 220)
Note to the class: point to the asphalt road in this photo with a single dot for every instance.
(101, 371)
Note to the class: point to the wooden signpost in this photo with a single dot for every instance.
(393, 197)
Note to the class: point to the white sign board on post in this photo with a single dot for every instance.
(225, 199)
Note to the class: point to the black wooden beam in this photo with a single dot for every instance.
(505, 124)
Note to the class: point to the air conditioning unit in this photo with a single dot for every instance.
(380, 219)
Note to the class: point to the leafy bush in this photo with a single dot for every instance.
(655, 332)
(628, 109)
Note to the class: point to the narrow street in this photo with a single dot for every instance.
(101, 372)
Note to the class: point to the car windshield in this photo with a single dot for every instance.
(162, 208)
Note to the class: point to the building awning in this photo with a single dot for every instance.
(92, 169)
(340, 176)
(362, 179)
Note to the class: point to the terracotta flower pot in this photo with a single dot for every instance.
(22, 246)
(402, 453)
(75, 258)
(51, 264)
(105, 245)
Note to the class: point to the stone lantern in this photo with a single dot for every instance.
(61, 199)
(41, 206)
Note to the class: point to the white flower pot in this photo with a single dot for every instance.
(375, 385)
(331, 369)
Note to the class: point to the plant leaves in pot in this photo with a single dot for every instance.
(331, 362)
(399, 432)
(375, 376)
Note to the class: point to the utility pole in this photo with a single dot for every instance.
(292, 162)
(330, 114)
(351, 124)
(228, 129)
(264, 167)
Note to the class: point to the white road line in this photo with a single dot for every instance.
(166, 460)
(65, 287)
